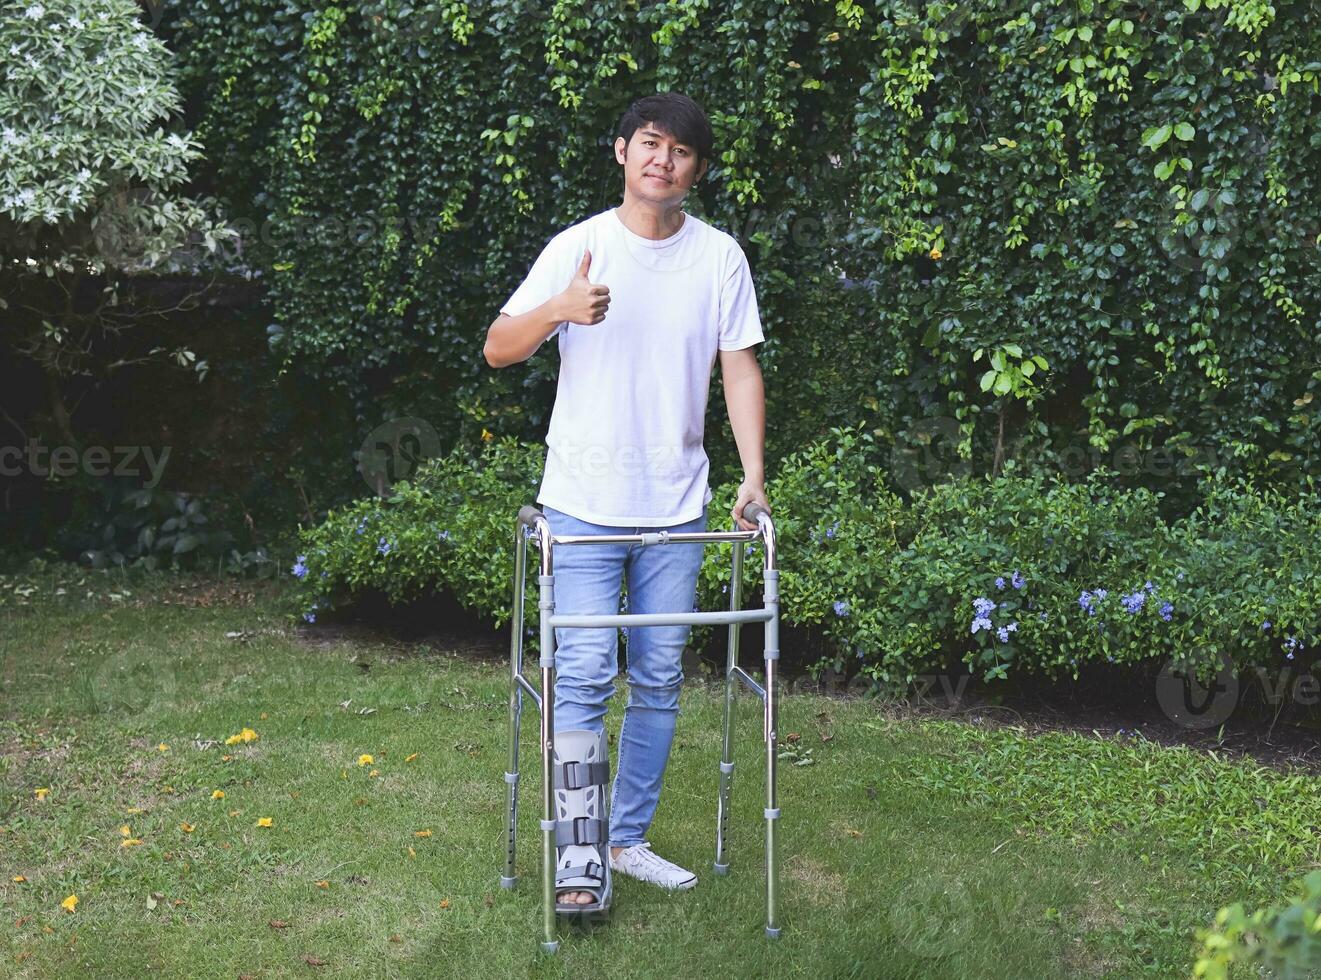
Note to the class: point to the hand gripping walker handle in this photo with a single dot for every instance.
(752, 510)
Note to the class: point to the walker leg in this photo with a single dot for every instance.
(550, 942)
(772, 809)
(727, 745)
(509, 878)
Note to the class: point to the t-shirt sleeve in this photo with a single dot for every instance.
(740, 323)
(549, 274)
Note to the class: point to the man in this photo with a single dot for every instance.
(643, 297)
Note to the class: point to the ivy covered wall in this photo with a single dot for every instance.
(1043, 236)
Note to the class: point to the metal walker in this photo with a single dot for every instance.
(533, 523)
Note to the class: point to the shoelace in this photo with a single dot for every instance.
(644, 855)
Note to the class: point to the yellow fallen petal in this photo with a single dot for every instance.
(422, 833)
(411, 757)
(365, 760)
(162, 747)
(323, 884)
(125, 832)
(186, 827)
(263, 821)
(41, 792)
(130, 842)
(235, 813)
(262, 716)
(218, 794)
(70, 903)
(226, 758)
(374, 772)
(18, 878)
(133, 809)
(167, 789)
(412, 853)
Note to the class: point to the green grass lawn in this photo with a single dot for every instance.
(911, 848)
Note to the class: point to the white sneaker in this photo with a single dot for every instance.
(641, 862)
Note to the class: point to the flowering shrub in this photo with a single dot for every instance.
(1286, 941)
(1006, 574)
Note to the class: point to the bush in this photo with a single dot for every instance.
(1012, 574)
(1285, 941)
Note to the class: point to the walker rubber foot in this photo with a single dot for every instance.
(721, 869)
(508, 882)
(772, 933)
(550, 947)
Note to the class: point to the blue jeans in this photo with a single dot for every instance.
(661, 578)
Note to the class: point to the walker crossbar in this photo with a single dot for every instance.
(532, 523)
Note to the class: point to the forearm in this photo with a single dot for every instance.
(511, 339)
(745, 399)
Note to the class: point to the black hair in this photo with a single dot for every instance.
(678, 116)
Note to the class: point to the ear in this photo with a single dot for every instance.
(701, 171)
(621, 149)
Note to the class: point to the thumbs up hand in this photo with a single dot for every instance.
(582, 300)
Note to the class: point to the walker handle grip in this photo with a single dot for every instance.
(529, 514)
(753, 510)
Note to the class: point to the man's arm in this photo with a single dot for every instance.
(745, 399)
(511, 339)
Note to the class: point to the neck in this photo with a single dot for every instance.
(648, 219)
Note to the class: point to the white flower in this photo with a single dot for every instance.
(139, 40)
(26, 196)
(75, 23)
(35, 11)
(14, 50)
(83, 175)
(177, 141)
(7, 135)
(75, 195)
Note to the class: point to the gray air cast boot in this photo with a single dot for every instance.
(580, 773)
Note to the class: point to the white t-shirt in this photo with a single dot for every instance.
(624, 446)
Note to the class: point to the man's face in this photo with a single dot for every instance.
(656, 167)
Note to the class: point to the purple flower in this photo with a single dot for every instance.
(841, 608)
(983, 605)
(1000, 582)
(1149, 587)
(1167, 612)
(310, 617)
(300, 570)
(1085, 601)
(1004, 632)
(362, 524)
(1017, 581)
(443, 536)
(383, 546)
(830, 531)
(1133, 603)
(1266, 625)
(982, 623)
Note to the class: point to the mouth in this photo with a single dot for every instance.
(655, 177)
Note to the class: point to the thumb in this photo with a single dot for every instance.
(582, 266)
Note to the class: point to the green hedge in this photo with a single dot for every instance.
(1077, 573)
(1124, 189)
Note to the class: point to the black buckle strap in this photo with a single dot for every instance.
(579, 831)
(592, 869)
(580, 775)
